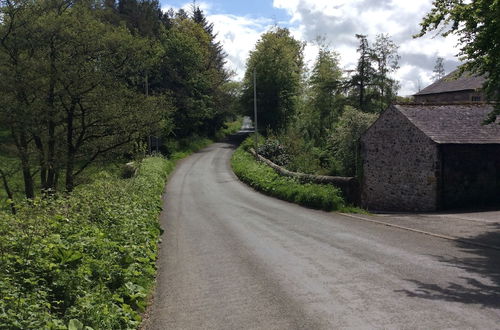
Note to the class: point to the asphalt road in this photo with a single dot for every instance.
(232, 258)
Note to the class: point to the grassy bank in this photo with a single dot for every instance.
(88, 259)
(263, 178)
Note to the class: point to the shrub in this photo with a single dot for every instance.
(88, 258)
(273, 150)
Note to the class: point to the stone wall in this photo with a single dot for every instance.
(400, 166)
(471, 176)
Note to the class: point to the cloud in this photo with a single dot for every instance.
(238, 35)
(340, 20)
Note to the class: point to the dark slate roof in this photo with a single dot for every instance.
(453, 123)
(454, 83)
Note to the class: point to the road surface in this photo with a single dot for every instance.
(232, 258)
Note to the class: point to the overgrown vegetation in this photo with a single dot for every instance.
(88, 257)
(313, 120)
(265, 179)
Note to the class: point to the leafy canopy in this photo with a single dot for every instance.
(278, 62)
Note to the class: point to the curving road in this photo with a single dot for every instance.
(232, 258)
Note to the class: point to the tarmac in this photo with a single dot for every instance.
(476, 228)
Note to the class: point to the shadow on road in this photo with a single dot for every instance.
(234, 140)
(484, 262)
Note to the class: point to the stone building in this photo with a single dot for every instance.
(453, 88)
(431, 157)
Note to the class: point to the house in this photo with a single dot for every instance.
(454, 87)
(427, 157)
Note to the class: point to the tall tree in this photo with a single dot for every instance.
(438, 69)
(477, 24)
(185, 74)
(278, 62)
(324, 95)
(216, 64)
(365, 72)
(218, 56)
(386, 58)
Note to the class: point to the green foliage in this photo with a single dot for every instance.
(186, 70)
(66, 99)
(278, 62)
(324, 98)
(345, 137)
(477, 24)
(86, 260)
(82, 81)
(250, 142)
(373, 88)
(265, 179)
(386, 58)
(273, 150)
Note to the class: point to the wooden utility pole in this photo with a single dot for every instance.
(256, 132)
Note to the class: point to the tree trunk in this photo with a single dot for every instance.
(43, 163)
(70, 150)
(51, 142)
(8, 191)
(29, 187)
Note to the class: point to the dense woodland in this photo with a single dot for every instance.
(82, 81)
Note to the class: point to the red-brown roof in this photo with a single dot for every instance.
(454, 83)
(453, 123)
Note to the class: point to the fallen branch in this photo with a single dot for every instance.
(348, 185)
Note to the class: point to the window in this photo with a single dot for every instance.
(475, 98)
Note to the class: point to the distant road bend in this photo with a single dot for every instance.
(232, 258)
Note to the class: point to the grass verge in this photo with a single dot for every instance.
(86, 260)
(263, 178)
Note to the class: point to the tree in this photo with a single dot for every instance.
(324, 93)
(183, 73)
(364, 76)
(143, 17)
(438, 69)
(345, 137)
(217, 54)
(18, 83)
(75, 105)
(216, 62)
(278, 62)
(385, 55)
(477, 24)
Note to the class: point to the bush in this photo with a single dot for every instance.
(345, 137)
(263, 178)
(88, 258)
(273, 150)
